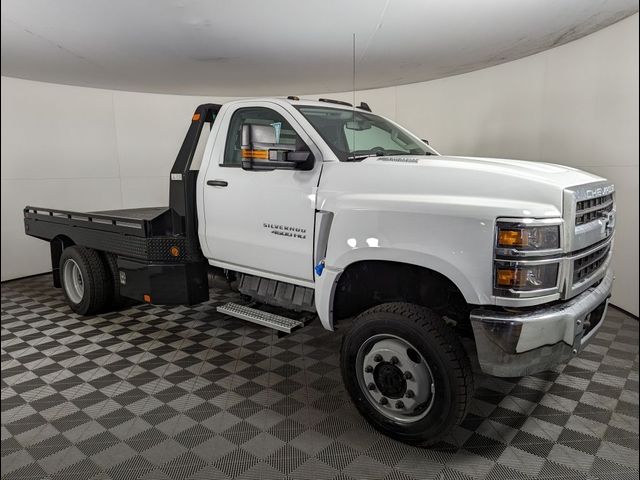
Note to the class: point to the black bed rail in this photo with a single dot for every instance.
(96, 221)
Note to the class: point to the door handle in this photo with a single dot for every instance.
(217, 183)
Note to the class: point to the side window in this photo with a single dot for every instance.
(285, 134)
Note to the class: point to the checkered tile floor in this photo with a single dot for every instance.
(186, 393)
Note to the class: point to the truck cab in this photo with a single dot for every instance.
(323, 207)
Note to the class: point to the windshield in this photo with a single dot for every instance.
(355, 135)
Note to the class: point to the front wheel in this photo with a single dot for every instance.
(407, 372)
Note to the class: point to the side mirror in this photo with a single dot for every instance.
(261, 150)
(425, 141)
(258, 135)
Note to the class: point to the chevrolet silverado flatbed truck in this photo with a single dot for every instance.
(323, 207)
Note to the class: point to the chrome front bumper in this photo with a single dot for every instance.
(518, 344)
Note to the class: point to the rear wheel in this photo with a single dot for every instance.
(84, 280)
(407, 372)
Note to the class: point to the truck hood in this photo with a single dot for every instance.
(536, 172)
(497, 186)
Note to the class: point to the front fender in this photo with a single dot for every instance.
(327, 281)
(449, 240)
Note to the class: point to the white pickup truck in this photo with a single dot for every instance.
(323, 207)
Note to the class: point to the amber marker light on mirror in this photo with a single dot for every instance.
(259, 154)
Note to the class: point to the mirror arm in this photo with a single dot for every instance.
(298, 157)
(289, 160)
(266, 165)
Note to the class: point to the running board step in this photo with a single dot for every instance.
(266, 319)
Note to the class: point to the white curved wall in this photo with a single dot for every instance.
(72, 147)
(82, 149)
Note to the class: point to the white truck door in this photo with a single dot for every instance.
(258, 221)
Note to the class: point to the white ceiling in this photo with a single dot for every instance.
(261, 47)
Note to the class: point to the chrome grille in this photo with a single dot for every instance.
(583, 267)
(592, 209)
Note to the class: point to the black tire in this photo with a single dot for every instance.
(115, 300)
(96, 284)
(445, 357)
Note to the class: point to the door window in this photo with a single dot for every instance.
(284, 132)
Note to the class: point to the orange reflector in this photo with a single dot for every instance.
(175, 251)
(146, 298)
(196, 117)
(260, 154)
(512, 238)
(511, 277)
(505, 278)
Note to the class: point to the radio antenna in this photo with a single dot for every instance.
(354, 72)
(353, 111)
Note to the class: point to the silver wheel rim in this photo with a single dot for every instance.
(73, 281)
(395, 378)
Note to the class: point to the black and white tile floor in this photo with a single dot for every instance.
(186, 393)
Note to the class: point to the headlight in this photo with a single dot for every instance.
(527, 257)
(522, 277)
(521, 236)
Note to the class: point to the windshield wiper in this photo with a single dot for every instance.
(407, 154)
(354, 158)
(380, 153)
(362, 156)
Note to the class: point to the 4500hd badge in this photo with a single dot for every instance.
(286, 230)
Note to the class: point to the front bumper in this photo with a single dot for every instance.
(518, 344)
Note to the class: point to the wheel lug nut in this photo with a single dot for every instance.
(409, 394)
(368, 369)
(399, 404)
(408, 375)
(372, 386)
(377, 358)
(394, 360)
(384, 401)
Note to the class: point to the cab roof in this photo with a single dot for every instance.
(322, 102)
